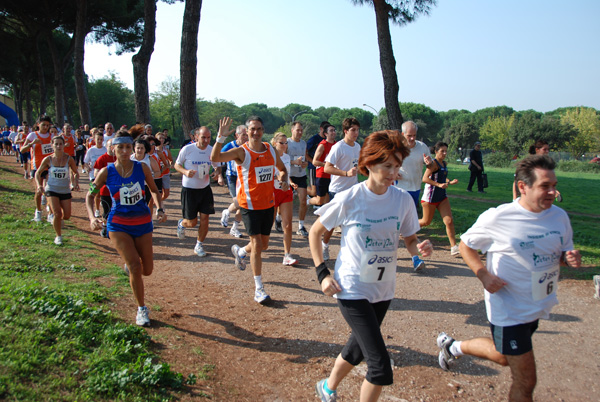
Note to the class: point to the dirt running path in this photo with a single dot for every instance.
(203, 313)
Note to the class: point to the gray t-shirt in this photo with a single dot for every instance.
(296, 149)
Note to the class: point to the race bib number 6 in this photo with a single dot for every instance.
(264, 174)
(544, 283)
(378, 266)
(131, 195)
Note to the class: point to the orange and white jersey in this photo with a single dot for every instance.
(41, 150)
(157, 159)
(255, 178)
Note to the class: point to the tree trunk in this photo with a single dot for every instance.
(41, 83)
(388, 65)
(188, 66)
(59, 82)
(141, 60)
(81, 31)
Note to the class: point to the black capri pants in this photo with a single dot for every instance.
(366, 341)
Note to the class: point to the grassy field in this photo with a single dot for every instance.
(59, 339)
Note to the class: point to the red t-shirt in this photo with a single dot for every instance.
(102, 162)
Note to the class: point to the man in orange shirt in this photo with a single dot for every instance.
(255, 162)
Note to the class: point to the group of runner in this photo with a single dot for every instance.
(519, 276)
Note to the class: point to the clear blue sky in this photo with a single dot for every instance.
(468, 54)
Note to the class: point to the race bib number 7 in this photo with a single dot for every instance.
(544, 283)
(264, 174)
(59, 173)
(131, 195)
(378, 266)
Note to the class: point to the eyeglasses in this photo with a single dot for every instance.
(283, 143)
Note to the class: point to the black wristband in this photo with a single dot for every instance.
(322, 272)
(160, 210)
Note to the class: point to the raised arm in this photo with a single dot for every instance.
(236, 154)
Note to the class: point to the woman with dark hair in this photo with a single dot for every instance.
(58, 184)
(129, 222)
(141, 148)
(372, 215)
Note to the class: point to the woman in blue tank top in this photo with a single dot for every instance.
(434, 196)
(129, 222)
(58, 185)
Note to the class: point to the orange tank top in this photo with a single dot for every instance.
(69, 145)
(40, 151)
(255, 178)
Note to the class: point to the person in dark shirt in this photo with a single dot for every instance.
(476, 168)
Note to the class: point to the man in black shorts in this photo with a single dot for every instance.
(298, 164)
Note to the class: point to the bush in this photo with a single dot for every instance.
(578, 166)
(497, 159)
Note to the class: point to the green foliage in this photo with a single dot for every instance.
(164, 109)
(578, 166)
(495, 134)
(497, 159)
(111, 101)
(428, 120)
(587, 123)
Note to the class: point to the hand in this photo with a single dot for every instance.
(76, 187)
(491, 282)
(443, 185)
(214, 175)
(190, 173)
(96, 224)
(224, 125)
(329, 286)
(220, 180)
(36, 141)
(427, 159)
(161, 216)
(39, 189)
(573, 258)
(304, 165)
(352, 172)
(453, 181)
(425, 248)
(285, 186)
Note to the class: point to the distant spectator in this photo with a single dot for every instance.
(476, 168)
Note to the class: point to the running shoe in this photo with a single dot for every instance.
(44, 199)
(50, 218)
(444, 342)
(596, 286)
(418, 264)
(454, 250)
(289, 260)
(38, 216)
(97, 214)
(235, 232)
(321, 393)
(104, 232)
(278, 226)
(125, 269)
(302, 232)
(142, 318)
(261, 297)
(180, 230)
(58, 241)
(199, 250)
(240, 263)
(225, 218)
(326, 253)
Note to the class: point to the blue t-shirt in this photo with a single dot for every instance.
(231, 169)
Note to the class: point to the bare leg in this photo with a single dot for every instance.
(203, 227)
(286, 211)
(483, 348)
(446, 214)
(428, 211)
(54, 203)
(524, 377)
(302, 200)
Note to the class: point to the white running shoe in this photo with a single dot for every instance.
(261, 297)
(454, 250)
(235, 232)
(50, 218)
(302, 232)
(445, 356)
(240, 263)
(97, 214)
(38, 216)
(58, 241)
(289, 260)
(199, 250)
(321, 393)
(180, 230)
(142, 318)
(225, 218)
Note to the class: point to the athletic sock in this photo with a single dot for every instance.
(325, 245)
(455, 349)
(278, 218)
(258, 281)
(326, 388)
(235, 225)
(198, 242)
(300, 224)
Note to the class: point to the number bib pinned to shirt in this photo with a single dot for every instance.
(59, 172)
(47, 149)
(378, 266)
(203, 170)
(131, 195)
(264, 174)
(543, 283)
